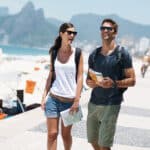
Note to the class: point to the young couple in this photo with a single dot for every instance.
(65, 80)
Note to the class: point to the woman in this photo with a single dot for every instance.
(65, 90)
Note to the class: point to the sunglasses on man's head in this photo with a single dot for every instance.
(102, 28)
(71, 32)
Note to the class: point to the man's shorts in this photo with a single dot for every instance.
(53, 107)
(101, 124)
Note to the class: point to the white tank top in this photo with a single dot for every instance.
(65, 83)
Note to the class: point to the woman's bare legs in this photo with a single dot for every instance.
(66, 136)
(52, 127)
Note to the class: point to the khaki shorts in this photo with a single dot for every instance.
(101, 124)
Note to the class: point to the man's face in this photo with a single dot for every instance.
(107, 31)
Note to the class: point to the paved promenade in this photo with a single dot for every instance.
(27, 131)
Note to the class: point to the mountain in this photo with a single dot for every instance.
(4, 11)
(55, 22)
(87, 26)
(30, 28)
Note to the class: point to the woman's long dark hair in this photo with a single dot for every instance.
(57, 43)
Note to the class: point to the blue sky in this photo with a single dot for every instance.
(133, 10)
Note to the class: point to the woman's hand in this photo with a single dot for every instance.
(74, 108)
(43, 104)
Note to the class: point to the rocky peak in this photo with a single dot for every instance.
(28, 7)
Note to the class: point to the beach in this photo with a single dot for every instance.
(16, 72)
(27, 131)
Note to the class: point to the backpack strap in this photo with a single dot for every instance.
(53, 58)
(77, 59)
(95, 54)
(119, 53)
(120, 60)
(119, 57)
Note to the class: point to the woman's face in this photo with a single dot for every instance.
(68, 36)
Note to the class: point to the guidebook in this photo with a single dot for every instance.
(96, 76)
(69, 119)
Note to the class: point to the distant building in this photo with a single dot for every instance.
(4, 11)
(144, 44)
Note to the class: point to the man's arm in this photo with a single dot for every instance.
(129, 80)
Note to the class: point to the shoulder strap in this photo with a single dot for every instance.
(77, 59)
(120, 50)
(120, 53)
(119, 58)
(53, 57)
(95, 54)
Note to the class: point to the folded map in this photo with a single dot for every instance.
(69, 119)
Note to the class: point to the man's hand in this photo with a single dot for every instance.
(91, 83)
(107, 82)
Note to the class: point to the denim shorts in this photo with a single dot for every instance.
(101, 123)
(53, 107)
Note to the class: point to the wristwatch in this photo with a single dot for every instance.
(114, 85)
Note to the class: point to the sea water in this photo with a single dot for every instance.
(23, 51)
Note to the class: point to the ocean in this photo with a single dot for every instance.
(22, 51)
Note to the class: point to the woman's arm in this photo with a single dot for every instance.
(79, 79)
(75, 105)
(47, 86)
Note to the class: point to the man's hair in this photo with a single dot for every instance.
(115, 25)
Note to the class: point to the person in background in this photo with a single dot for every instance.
(145, 63)
(1, 55)
(65, 90)
(107, 92)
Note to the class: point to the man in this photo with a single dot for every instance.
(107, 93)
(146, 63)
